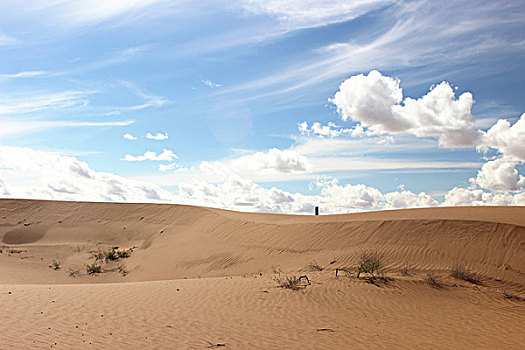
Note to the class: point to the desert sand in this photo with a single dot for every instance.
(199, 278)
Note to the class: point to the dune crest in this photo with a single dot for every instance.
(175, 276)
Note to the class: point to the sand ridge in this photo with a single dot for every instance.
(202, 277)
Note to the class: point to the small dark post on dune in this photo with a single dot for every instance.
(316, 210)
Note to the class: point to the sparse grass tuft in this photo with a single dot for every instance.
(112, 255)
(293, 282)
(461, 273)
(433, 281)
(73, 272)
(99, 255)
(122, 270)
(123, 254)
(93, 268)
(369, 262)
(315, 266)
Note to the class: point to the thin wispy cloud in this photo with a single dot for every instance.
(210, 83)
(38, 101)
(27, 74)
(14, 128)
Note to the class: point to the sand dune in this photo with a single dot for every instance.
(201, 277)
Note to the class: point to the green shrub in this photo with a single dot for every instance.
(111, 255)
(93, 268)
(123, 254)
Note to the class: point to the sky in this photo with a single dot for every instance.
(264, 106)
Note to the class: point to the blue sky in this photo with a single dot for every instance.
(264, 105)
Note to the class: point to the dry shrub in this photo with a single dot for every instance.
(510, 296)
(293, 282)
(315, 266)
(55, 265)
(461, 273)
(433, 281)
(369, 262)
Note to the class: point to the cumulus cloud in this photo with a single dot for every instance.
(471, 196)
(31, 173)
(3, 189)
(506, 138)
(128, 136)
(166, 155)
(242, 194)
(499, 174)
(285, 161)
(157, 136)
(376, 102)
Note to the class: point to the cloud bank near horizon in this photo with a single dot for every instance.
(374, 107)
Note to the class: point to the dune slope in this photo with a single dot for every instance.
(201, 277)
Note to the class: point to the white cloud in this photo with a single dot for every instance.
(298, 14)
(166, 155)
(26, 74)
(329, 130)
(172, 166)
(408, 34)
(150, 100)
(272, 162)
(499, 174)
(12, 128)
(157, 136)
(37, 174)
(3, 189)
(210, 83)
(469, 196)
(75, 13)
(41, 101)
(506, 138)
(242, 194)
(376, 102)
(128, 136)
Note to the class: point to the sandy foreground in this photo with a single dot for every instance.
(200, 278)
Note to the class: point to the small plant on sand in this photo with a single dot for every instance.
(433, 281)
(123, 253)
(55, 265)
(112, 255)
(369, 262)
(99, 255)
(405, 271)
(122, 270)
(461, 273)
(93, 268)
(510, 296)
(74, 272)
(293, 282)
(315, 266)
